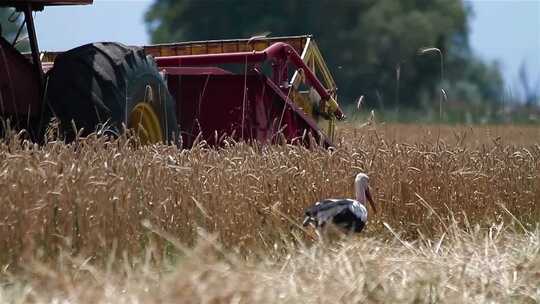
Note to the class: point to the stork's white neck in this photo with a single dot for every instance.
(360, 185)
(360, 194)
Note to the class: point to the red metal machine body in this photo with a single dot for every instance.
(18, 81)
(21, 77)
(250, 105)
(247, 89)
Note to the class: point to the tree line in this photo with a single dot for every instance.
(373, 47)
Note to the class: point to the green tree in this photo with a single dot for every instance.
(365, 42)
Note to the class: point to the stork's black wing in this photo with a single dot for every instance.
(342, 212)
(348, 220)
(324, 211)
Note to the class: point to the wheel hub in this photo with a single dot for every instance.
(144, 120)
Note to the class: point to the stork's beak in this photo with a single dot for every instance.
(370, 199)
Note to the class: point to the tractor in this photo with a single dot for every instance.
(270, 90)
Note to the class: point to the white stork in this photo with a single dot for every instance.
(349, 214)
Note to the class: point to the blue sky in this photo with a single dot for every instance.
(508, 31)
(504, 30)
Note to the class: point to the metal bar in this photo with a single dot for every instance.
(323, 68)
(270, 40)
(195, 71)
(297, 61)
(171, 61)
(40, 3)
(33, 42)
(296, 77)
(36, 61)
(309, 121)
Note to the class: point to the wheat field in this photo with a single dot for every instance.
(100, 221)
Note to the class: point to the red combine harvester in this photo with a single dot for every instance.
(265, 89)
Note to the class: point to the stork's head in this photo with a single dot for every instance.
(361, 187)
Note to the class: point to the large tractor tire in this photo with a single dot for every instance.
(106, 87)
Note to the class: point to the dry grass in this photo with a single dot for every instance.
(97, 220)
(466, 266)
